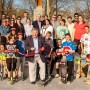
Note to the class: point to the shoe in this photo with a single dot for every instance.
(32, 83)
(68, 82)
(57, 75)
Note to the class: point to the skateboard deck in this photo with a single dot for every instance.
(88, 74)
(40, 84)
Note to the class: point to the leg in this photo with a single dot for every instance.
(32, 71)
(22, 66)
(42, 68)
(70, 65)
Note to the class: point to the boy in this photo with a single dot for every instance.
(21, 59)
(69, 48)
(49, 47)
(85, 44)
(58, 57)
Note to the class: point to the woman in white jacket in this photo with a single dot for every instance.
(46, 28)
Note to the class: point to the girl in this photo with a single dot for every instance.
(3, 61)
(11, 58)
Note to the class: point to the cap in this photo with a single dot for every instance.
(13, 28)
(19, 33)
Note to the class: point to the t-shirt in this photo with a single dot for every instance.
(70, 28)
(11, 50)
(21, 46)
(85, 39)
(79, 30)
(71, 45)
(61, 31)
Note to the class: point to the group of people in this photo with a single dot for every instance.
(42, 43)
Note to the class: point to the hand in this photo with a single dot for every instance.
(42, 49)
(49, 55)
(32, 49)
(70, 51)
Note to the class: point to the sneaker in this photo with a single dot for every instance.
(32, 83)
(57, 75)
(68, 82)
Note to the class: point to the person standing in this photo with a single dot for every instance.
(46, 28)
(38, 23)
(28, 27)
(70, 26)
(19, 26)
(35, 47)
(79, 30)
(24, 19)
(69, 56)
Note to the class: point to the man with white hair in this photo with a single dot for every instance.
(35, 47)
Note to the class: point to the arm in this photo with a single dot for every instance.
(73, 33)
(82, 47)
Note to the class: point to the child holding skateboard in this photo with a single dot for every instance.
(69, 49)
(49, 47)
(58, 56)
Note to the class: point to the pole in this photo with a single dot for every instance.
(48, 8)
(56, 8)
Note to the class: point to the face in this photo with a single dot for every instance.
(69, 20)
(80, 19)
(14, 16)
(3, 16)
(47, 22)
(39, 18)
(59, 18)
(19, 20)
(2, 47)
(48, 35)
(28, 21)
(25, 15)
(87, 29)
(13, 32)
(7, 22)
(20, 37)
(67, 38)
(12, 21)
(3, 23)
(46, 17)
(12, 39)
(62, 23)
(76, 16)
(35, 33)
(59, 43)
(53, 18)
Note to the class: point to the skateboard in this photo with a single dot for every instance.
(40, 84)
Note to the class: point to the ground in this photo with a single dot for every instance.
(53, 85)
(77, 84)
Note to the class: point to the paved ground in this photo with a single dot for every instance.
(78, 84)
(53, 85)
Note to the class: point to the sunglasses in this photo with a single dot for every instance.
(12, 20)
(18, 19)
(54, 17)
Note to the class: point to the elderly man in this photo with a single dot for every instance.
(34, 44)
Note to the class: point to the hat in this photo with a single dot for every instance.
(19, 33)
(13, 28)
